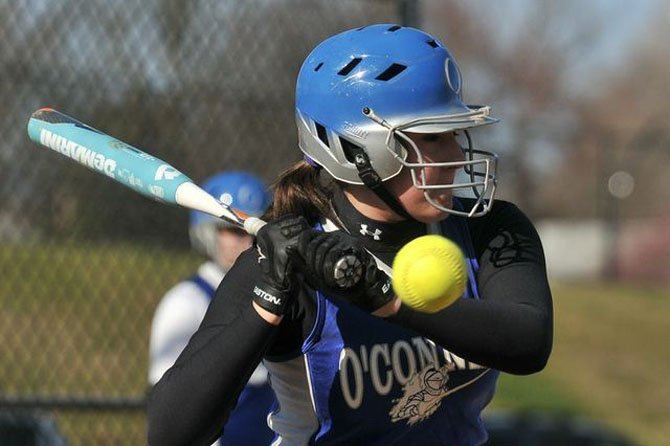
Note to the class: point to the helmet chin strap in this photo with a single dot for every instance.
(371, 179)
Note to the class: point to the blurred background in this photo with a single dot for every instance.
(581, 88)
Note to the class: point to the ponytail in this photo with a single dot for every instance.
(300, 190)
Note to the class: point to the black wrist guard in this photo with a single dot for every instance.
(274, 243)
(270, 298)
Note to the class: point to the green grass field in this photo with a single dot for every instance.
(610, 360)
(75, 320)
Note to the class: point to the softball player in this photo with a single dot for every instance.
(388, 157)
(181, 310)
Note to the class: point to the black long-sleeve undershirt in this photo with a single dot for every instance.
(509, 328)
(190, 403)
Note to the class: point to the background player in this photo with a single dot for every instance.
(386, 138)
(181, 310)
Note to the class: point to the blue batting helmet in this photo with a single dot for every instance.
(240, 190)
(365, 87)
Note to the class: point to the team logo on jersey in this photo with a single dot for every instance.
(423, 394)
(376, 234)
(415, 374)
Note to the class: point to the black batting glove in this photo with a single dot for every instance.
(326, 259)
(274, 243)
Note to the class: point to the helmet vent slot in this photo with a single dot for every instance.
(394, 28)
(318, 67)
(433, 43)
(350, 66)
(348, 148)
(321, 133)
(391, 72)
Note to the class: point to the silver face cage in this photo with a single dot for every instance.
(479, 166)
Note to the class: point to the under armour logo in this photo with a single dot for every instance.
(375, 235)
(261, 256)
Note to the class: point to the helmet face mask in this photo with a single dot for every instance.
(479, 166)
(369, 86)
(479, 172)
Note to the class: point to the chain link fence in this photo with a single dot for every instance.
(206, 85)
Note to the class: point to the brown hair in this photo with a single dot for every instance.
(301, 190)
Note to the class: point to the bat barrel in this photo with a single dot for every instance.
(98, 151)
(127, 165)
(138, 170)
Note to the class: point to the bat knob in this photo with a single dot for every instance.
(348, 271)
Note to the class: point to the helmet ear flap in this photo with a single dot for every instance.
(349, 150)
(371, 178)
(326, 148)
(203, 239)
(400, 147)
(322, 134)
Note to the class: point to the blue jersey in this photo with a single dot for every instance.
(373, 382)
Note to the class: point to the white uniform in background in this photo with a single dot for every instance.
(177, 317)
(183, 307)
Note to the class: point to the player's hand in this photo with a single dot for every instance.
(319, 253)
(274, 243)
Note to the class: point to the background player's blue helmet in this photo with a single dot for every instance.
(240, 190)
(363, 88)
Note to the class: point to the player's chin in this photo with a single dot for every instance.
(431, 214)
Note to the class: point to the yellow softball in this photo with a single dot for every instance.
(429, 273)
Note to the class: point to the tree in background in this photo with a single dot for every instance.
(624, 128)
(526, 62)
(204, 85)
(208, 85)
